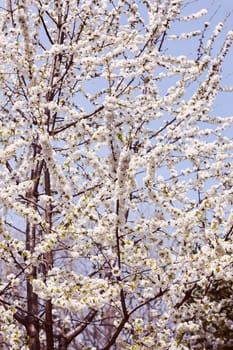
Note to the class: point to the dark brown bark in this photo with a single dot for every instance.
(49, 263)
(32, 299)
(49, 325)
(116, 334)
(63, 343)
(32, 323)
(66, 339)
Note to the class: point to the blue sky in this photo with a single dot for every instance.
(218, 11)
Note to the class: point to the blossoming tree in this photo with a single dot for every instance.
(116, 186)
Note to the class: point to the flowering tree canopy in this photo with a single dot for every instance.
(116, 187)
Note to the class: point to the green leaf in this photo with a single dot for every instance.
(120, 137)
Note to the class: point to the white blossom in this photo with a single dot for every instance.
(115, 173)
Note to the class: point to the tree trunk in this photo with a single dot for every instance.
(49, 325)
(31, 320)
(63, 344)
(48, 257)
